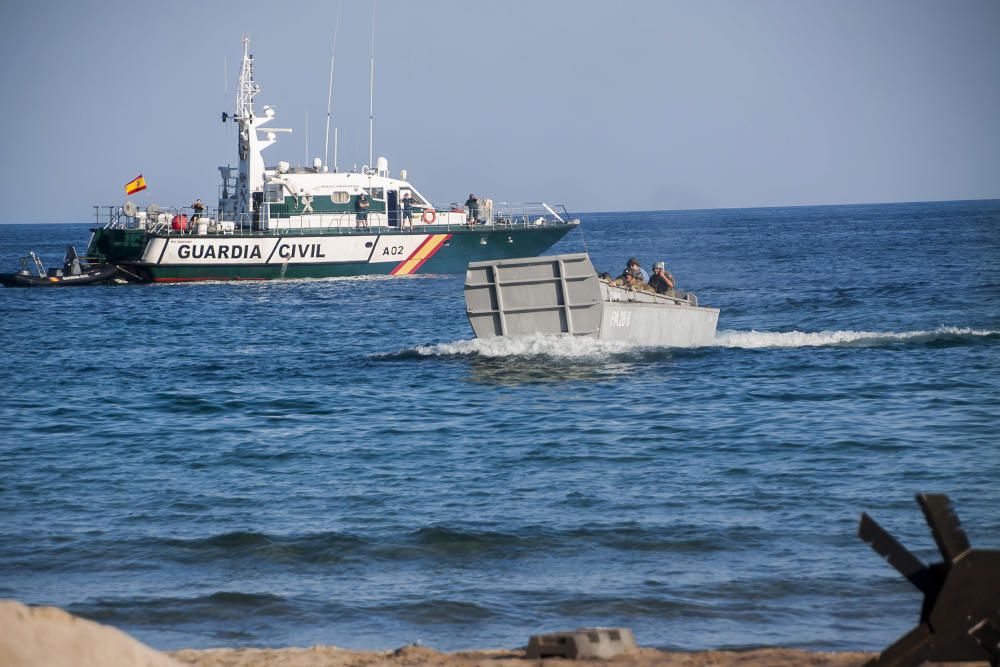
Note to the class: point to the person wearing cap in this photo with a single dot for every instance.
(626, 279)
(632, 279)
(635, 268)
(472, 203)
(662, 281)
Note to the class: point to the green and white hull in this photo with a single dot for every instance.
(432, 249)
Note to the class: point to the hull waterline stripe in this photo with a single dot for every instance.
(423, 252)
(205, 279)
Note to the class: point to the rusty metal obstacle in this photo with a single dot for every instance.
(960, 616)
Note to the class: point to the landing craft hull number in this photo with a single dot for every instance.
(282, 250)
(620, 318)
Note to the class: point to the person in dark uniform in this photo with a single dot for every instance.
(361, 206)
(472, 203)
(407, 211)
(199, 207)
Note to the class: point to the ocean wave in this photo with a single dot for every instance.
(220, 606)
(790, 339)
(440, 543)
(315, 548)
(444, 541)
(437, 611)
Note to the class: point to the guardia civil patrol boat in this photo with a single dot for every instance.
(282, 221)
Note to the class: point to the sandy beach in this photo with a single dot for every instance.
(418, 656)
(51, 637)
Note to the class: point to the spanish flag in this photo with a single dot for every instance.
(137, 184)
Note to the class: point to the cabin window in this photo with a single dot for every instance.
(340, 197)
(275, 193)
(377, 193)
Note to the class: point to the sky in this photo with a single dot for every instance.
(600, 106)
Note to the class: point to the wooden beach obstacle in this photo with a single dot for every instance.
(582, 644)
(960, 617)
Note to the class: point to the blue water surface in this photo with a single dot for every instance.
(339, 462)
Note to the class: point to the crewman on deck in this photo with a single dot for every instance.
(634, 266)
(662, 280)
(361, 206)
(472, 203)
(632, 280)
(407, 211)
(198, 207)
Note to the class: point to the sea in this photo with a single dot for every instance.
(341, 462)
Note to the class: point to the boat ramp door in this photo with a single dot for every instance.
(534, 295)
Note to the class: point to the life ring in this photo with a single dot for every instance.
(429, 216)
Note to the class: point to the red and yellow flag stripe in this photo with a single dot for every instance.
(137, 184)
(424, 252)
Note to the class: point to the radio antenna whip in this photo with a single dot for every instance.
(329, 97)
(371, 96)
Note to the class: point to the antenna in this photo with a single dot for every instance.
(307, 138)
(371, 97)
(329, 98)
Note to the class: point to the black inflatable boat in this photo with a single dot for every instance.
(74, 272)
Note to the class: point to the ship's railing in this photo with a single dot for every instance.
(274, 218)
(156, 219)
(529, 213)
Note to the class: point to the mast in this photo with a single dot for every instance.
(244, 116)
(249, 144)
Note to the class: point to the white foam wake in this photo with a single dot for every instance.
(561, 346)
(571, 347)
(774, 339)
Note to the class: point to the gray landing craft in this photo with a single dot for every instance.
(562, 294)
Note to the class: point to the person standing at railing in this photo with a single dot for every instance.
(407, 211)
(472, 203)
(199, 207)
(361, 206)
